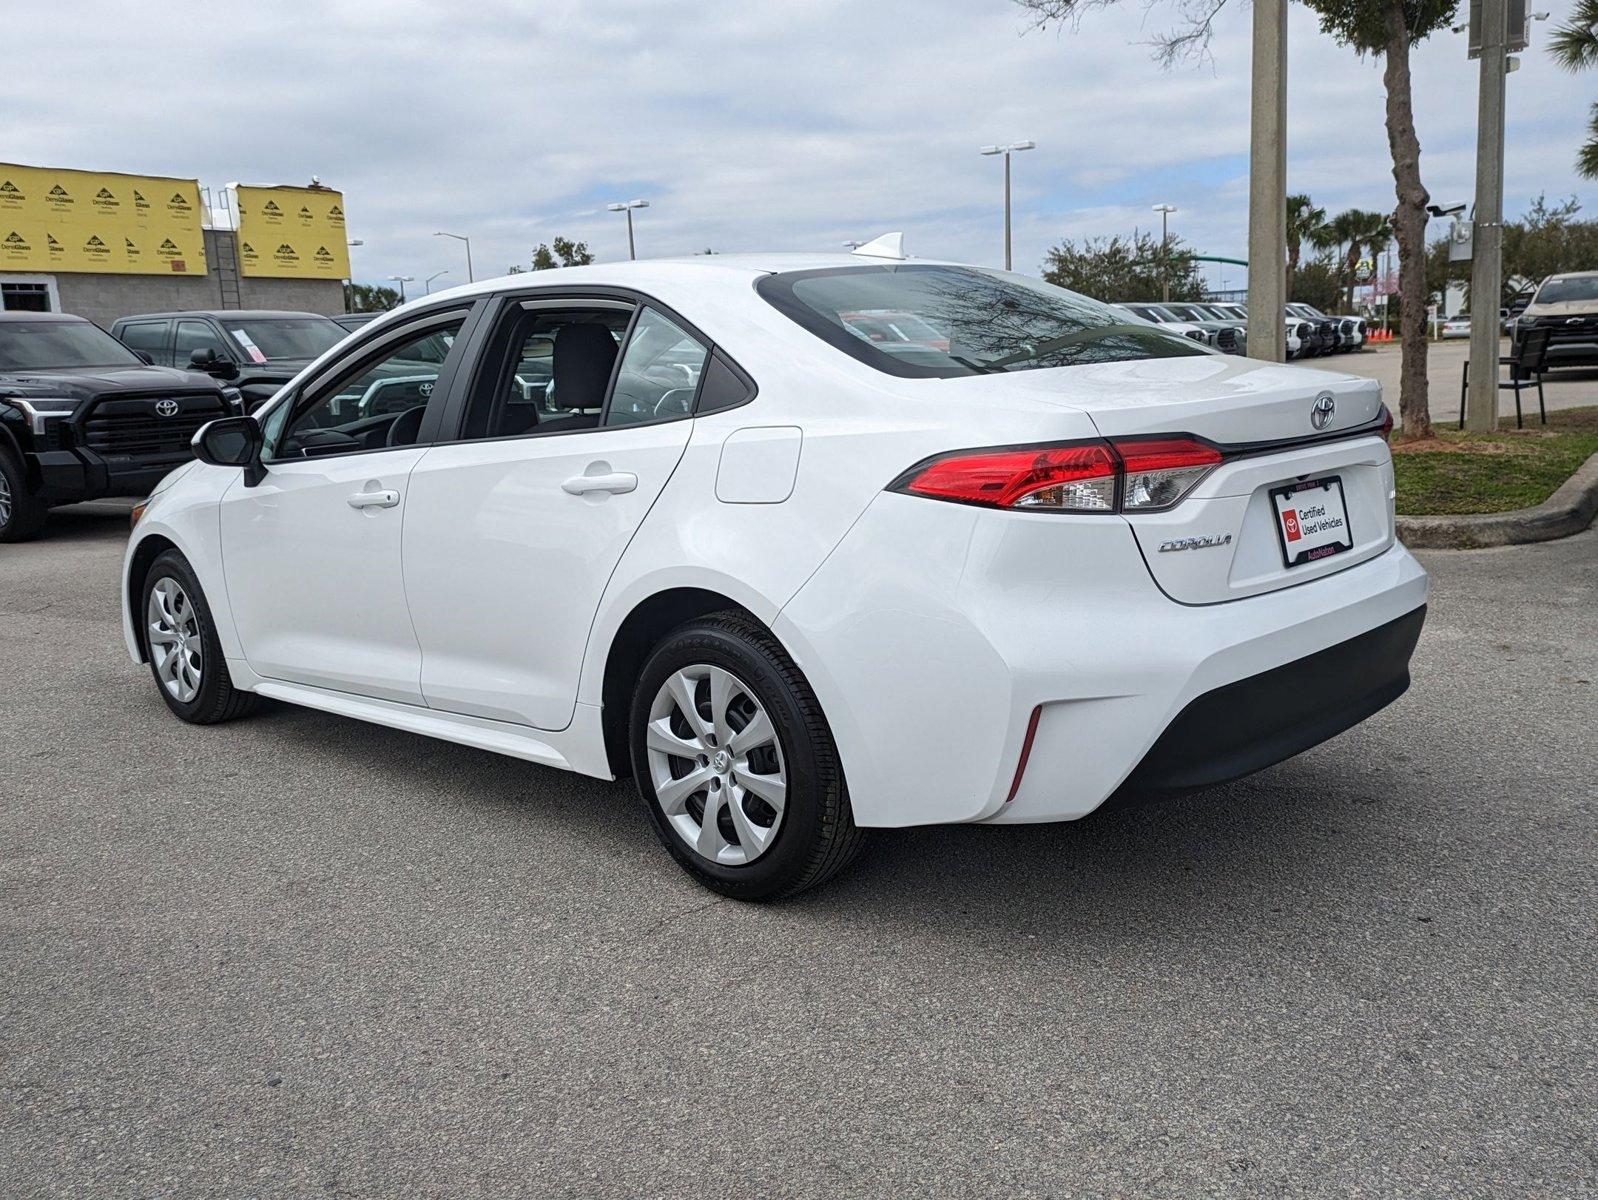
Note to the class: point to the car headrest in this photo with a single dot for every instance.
(584, 355)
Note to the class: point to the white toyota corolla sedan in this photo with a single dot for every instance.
(805, 544)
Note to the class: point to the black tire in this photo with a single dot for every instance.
(27, 511)
(817, 835)
(216, 698)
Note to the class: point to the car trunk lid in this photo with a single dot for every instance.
(1278, 427)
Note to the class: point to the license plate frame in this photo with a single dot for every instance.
(1290, 529)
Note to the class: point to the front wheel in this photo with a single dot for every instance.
(185, 653)
(736, 763)
(21, 512)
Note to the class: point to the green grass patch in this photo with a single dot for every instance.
(1458, 473)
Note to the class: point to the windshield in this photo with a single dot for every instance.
(1571, 287)
(43, 345)
(1189, 312)
(934, 321)
(273, 338)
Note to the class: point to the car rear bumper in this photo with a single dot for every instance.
(947, 642)
(1246, 726)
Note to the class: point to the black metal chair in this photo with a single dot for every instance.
(1526, 365)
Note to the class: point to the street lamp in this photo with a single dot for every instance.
(427, 283)
(1165, 211)
(402, 280)
(627, 207)
(461, 238)
(1007, 151)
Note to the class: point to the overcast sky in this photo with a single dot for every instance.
(773, 124)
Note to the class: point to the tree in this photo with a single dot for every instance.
(1386, 28)
(369, 297)
(1319, 282)
(1119, 268)
(1304, 223)
(1574, 46)
(1351, 233)
(564, 253)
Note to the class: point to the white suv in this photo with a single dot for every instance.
(694, 522)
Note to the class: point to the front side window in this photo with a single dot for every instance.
(659, 374)
(377, 402)
(197, 335)
(945, 321)
(46, 345)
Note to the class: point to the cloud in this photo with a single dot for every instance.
(790, 125)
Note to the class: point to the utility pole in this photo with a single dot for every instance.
(1267, 185)
(1487, 231)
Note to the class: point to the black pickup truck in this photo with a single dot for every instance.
(82, 416)
(256, 351)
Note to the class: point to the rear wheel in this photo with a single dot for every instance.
(185, 654)
(21, 513)
(736, 763)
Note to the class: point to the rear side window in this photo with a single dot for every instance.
(150, 337)
(659, 374)
(925, 321)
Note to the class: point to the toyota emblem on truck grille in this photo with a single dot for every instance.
(166, 408)
(1320, 415)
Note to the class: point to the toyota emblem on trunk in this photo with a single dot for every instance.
(166, 408)
(1320, 414)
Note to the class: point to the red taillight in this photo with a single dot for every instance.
(1077, 477)
(1130, 474)
(1387, 421)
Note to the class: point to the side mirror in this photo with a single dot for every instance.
(208, 360)
(232, 442)
(145, 357)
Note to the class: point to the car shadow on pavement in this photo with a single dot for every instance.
(1302, 832)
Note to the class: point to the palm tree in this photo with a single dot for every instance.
(1575, 47)
(1352, 232)
(1304, 223)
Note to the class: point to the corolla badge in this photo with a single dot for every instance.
(1202, 542)
(1320, 413)
(166, 408)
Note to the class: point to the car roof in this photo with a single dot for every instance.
(15, 315)
(227, 314)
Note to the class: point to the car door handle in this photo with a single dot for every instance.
(387, 498)
(615, 482)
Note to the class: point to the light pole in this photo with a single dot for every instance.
(1487, 225)
(459, 237)
(627, 207)
(1013, 147)
(402, 280)
(1165, 211)
(427, 283)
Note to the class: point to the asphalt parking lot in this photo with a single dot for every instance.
(1568, 387)
(298, 954)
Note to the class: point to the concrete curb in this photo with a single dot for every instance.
(1569, 510)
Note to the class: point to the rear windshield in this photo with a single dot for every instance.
(43, 345)
(924, 321)
(1574, 287)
